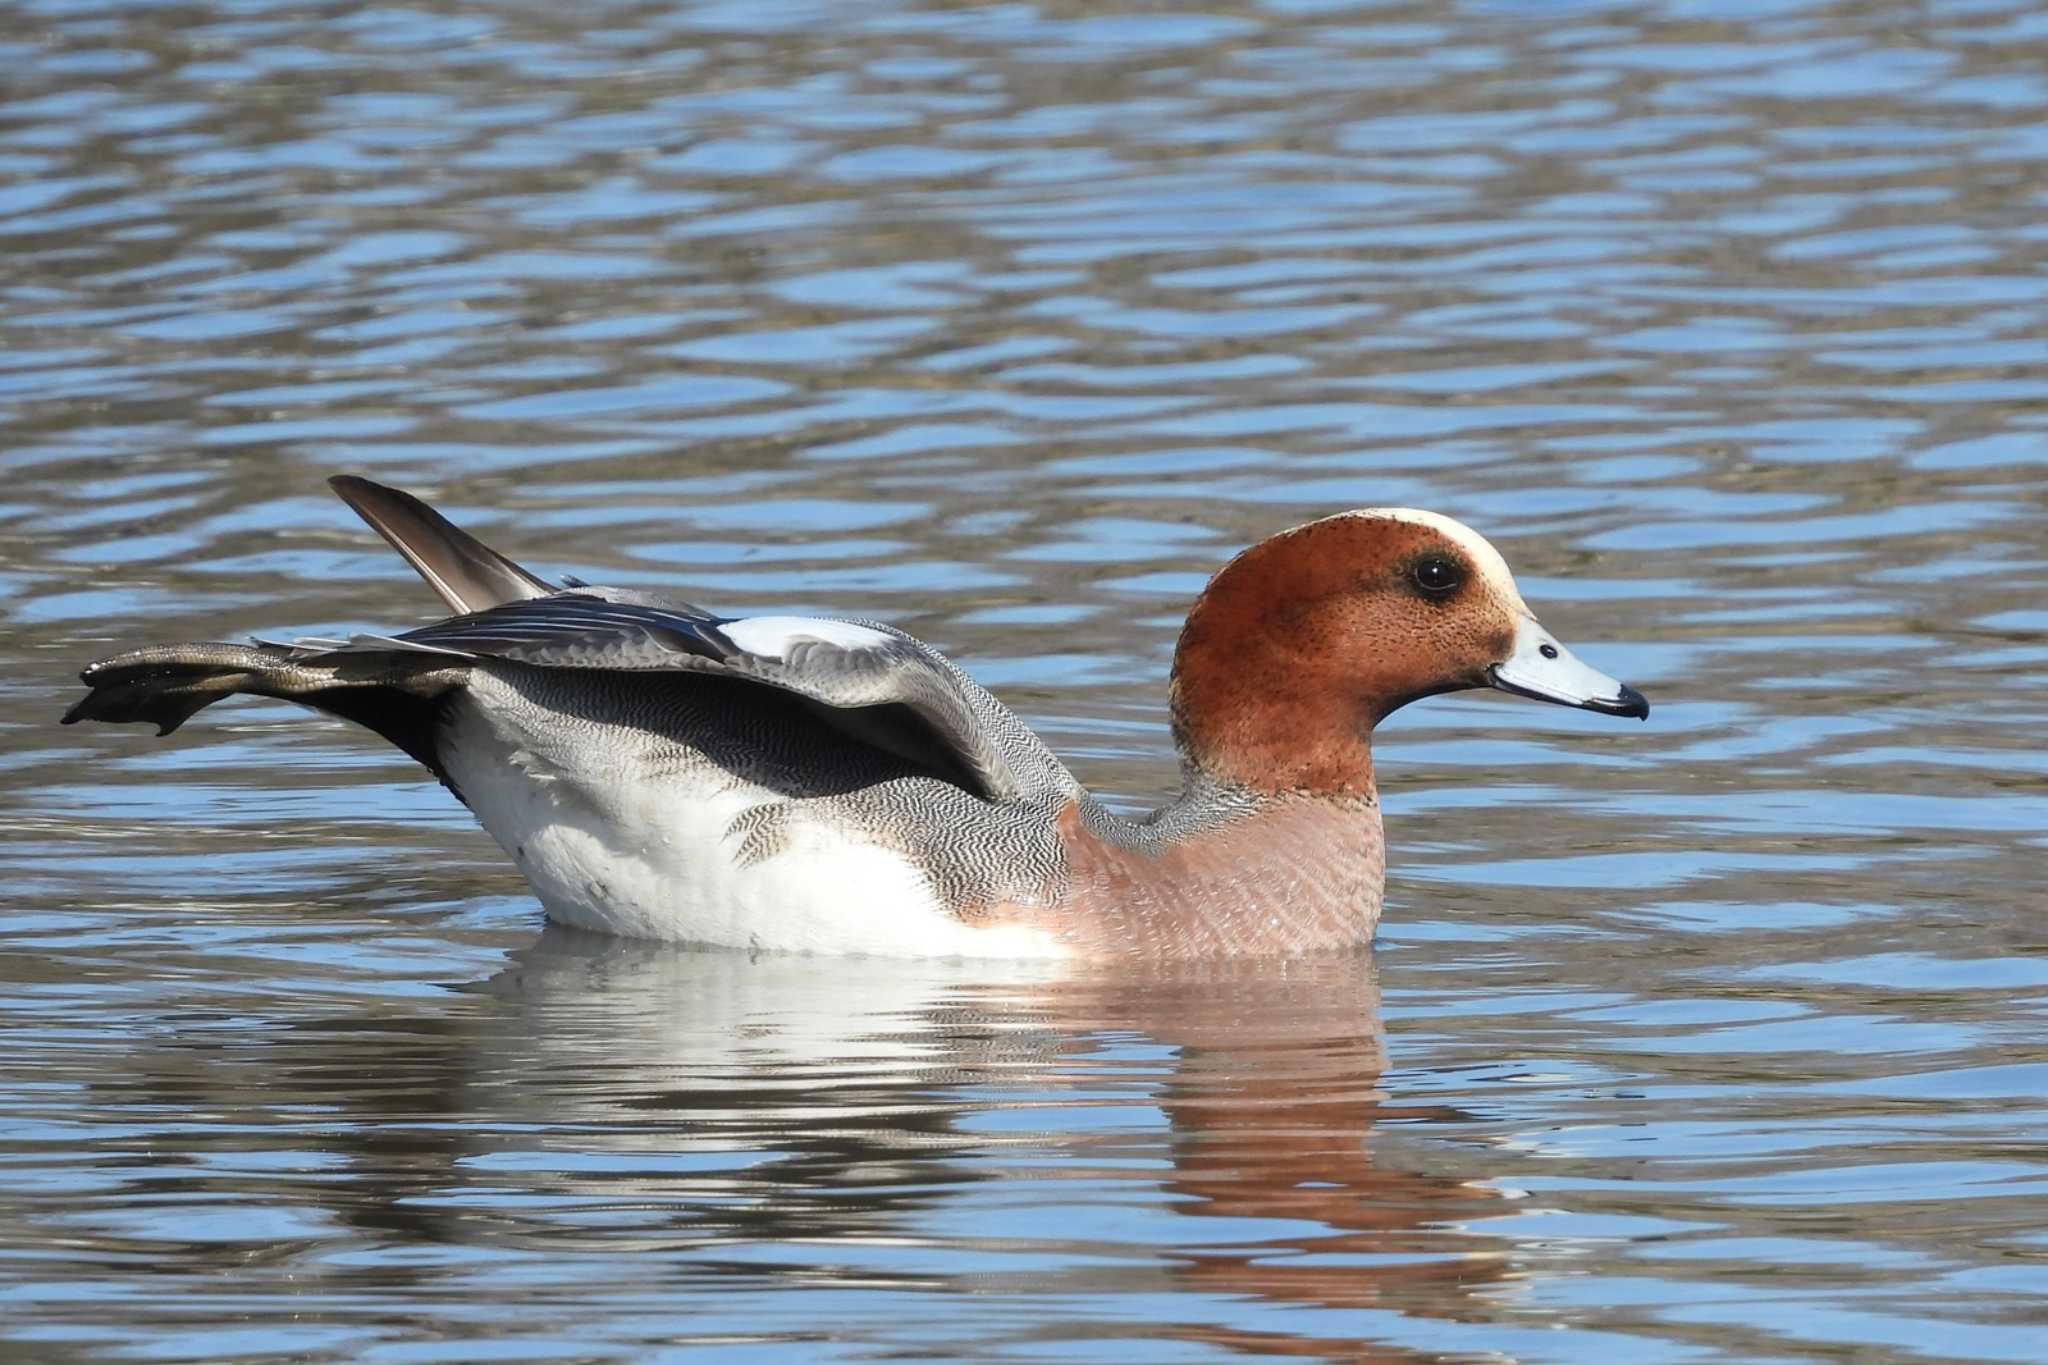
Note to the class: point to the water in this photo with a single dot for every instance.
(1716, 1039)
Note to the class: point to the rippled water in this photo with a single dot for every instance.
(1720, 1039)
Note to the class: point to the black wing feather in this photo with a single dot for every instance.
(894, 693)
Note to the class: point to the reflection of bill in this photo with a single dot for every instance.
(998, 1110)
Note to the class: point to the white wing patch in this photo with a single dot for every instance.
(772, 637)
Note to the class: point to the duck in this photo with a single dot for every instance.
(832, 785)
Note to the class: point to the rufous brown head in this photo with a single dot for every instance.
(1303, 643)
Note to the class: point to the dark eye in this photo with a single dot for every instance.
(1437, 575)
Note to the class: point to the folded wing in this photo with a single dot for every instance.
(873, 683)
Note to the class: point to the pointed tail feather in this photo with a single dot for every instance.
(396, 694)
(166, 684)
(468, 574)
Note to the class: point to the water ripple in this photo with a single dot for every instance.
(1713, 1040)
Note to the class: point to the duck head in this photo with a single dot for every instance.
(1303, 643)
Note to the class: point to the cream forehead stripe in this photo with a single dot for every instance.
(1492, 569)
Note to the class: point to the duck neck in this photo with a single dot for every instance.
(1287, 746)
(1260, 704)
(1209, 801)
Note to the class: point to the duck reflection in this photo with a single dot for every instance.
(1204, 1153)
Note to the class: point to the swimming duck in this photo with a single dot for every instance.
(833, 785)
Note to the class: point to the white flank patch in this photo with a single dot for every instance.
(655, 857)
(772, 636)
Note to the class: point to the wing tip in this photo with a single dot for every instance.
(464, 572)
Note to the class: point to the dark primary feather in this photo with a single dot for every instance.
(577, 630)
(894, 694)
(468, 574)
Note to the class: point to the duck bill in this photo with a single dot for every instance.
(1540, 667)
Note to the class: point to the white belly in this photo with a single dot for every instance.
(660, 858)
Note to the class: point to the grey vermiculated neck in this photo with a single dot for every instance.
(1203, 804)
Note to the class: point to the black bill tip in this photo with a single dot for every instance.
(1629, 703)
(1625, 702)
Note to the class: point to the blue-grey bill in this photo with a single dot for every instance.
(1541, 668)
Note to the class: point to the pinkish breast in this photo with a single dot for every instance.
(1303, 874)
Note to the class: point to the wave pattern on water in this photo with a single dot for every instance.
(1718, 1039)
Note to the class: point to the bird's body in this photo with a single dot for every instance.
(713, 812)
(824, 785)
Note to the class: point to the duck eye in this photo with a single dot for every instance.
(1437, 575)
